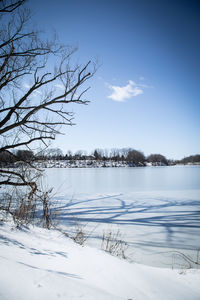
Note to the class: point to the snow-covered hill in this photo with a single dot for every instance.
(38, 264)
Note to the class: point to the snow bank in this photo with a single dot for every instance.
(40, 264)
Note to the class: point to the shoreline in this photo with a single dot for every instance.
(100, 164)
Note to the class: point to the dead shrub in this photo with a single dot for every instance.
(113, 243)
(179, 259)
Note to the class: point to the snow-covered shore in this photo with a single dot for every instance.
(79, 164)
(89, 164)
(41, 264)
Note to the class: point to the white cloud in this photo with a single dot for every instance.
(28, 86)
(121, 93)
(60, 86)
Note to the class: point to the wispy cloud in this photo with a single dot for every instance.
(27, 86)
(36, 92)
(121, 93)
(60, 86)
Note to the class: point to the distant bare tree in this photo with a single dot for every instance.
(124, 152)
(34, 96)
(98, 154)
(25, 155)
(114, 154)
(52, 153)
(191, 159)
(69, 155)
(157, 159)
(135, 157)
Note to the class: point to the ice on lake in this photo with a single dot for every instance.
(156, 209)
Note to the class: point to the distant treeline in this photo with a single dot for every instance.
(128, 155)
(191, 159)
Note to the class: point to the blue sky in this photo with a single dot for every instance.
(146, 92)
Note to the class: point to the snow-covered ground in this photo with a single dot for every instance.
(156, 211)
(39, 264)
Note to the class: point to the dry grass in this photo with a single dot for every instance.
(113, 243)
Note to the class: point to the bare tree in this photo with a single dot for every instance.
(34, 96)
(9, 6)
(157, 159)
(97, 154)
(135, 157)
(193, 159)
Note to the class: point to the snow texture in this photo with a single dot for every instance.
(39, 264)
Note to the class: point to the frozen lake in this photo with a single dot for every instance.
(156, 209)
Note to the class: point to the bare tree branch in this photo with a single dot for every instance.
(35, 97)
(7, 8)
